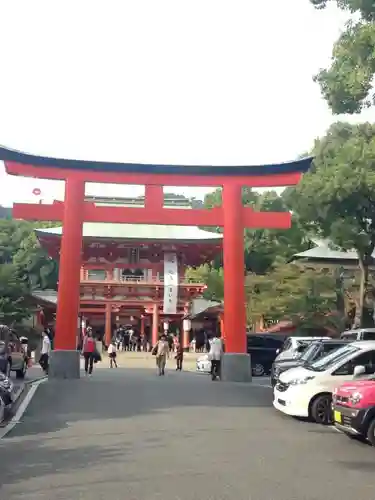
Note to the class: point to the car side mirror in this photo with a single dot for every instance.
(359, 370)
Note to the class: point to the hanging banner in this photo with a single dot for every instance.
(170, 283)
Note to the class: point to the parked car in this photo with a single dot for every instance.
(354, 407)
(359, 334)
(293, 347)
(315, 350)
(12, 353)
(262, 349)
(306, 391)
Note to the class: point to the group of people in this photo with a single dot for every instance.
(162, 350)
(166, 345)
(88, 349)
(128, 339)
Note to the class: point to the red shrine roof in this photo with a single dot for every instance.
(297, 166)
(140, 232)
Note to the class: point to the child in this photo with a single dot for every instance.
(179, 356)
(112, 354)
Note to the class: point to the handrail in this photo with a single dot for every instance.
(142, 280)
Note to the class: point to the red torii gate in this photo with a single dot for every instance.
(232, 216)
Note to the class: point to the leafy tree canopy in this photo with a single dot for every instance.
(263, 246)
(306, 297)
(13, 292)
(336, 199)
(24, 266)
(347, 83)
(213, 278)
(19, 245)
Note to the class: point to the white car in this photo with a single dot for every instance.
(294, 346)
(203, 364)
(307, 391)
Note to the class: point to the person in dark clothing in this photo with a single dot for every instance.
(170, 342)
(179, 356)
(88, 350)
(126, 341)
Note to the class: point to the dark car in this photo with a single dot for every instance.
(263, 350)
(316, 349)
(12, 353)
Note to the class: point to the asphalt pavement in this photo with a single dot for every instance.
(128, 434)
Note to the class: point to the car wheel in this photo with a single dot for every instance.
(371, 432)
(21, 373)
(321, 409)
(258, 370)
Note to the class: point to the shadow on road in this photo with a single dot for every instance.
(127, 393)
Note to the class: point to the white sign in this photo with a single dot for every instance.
(186, 325)
(170, 283)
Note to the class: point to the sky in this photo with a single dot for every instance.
(166, 81)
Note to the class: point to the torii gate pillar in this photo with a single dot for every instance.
(236, 364)
(65, 359)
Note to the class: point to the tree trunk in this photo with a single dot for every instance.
(364, 313)
(340, 294)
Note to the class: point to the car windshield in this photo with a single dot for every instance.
(309, 353)
(333, 357)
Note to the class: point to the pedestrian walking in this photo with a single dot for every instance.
(45, 352)
(215, 354)
(179, 356)
(161, 351)
(88, 350)
(112, 353)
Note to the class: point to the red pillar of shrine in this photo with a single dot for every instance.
(69, 266)
(155, 324)
(234, 280)
(186, 327)
(222, 329)
(108, 324)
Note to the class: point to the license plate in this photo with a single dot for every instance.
(337, 416)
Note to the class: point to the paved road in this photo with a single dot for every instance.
(127, 434)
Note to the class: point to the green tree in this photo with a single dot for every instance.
(211, 277)
(19, 245)
(13, 295)
(263, 246)
(305, 297)
(347, 83)
(336, 199)
(42, 270)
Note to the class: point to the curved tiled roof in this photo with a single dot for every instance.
(140, 232)
(297, 166)
(323, 252)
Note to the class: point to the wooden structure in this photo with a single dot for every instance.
(232, 216)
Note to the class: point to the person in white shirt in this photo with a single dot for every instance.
(112, 354)
(45, 353)
(215, 354)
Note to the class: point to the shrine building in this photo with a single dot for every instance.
(123, 267)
